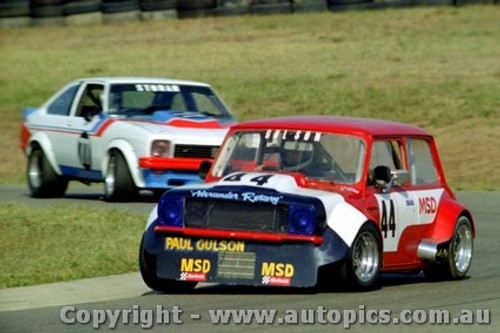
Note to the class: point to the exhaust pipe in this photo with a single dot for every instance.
(432, 251)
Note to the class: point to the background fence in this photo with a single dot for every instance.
(22, 13)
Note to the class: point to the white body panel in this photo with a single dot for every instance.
(79, 148)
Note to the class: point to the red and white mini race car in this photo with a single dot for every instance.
(290, 200)
(130, 133)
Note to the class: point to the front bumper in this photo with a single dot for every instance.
(236, 261)
(168, 178)
(165, 173)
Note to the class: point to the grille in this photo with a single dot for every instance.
(195, 151)
(236, 265)
(233, 215)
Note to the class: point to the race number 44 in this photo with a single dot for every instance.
(259, 180)
(388, 219)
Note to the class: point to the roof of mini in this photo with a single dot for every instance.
(337, 124)
(133, 79)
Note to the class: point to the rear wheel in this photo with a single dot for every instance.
(147, 264)
(364, 260)
(459, 256)
(118, 182)
(43, 181)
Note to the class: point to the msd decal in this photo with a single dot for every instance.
(194, 269)
(277, 274)
(428, 204)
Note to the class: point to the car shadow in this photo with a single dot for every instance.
(386, 280)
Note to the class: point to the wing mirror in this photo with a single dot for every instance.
(91, 114)
(204, 169)
(385, 177)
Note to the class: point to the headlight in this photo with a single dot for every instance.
(301, 220)
(171, 211)
(160, 148)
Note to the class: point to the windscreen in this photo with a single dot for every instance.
(319, 156)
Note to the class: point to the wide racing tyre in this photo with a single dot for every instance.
(459, 257)
(147, 265)
(118, 182)
(43, 181)
(362, 266)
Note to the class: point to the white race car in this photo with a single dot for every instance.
(130, 133)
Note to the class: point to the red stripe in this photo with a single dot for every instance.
(99, 131)
(247, 235)
(194, 124)
(171, 163)
(103, 127)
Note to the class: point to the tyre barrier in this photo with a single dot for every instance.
(83, 12)
(14, 8)
(14, 13)
(75, 7)
(47, 12)
(196, 8)
(24, 13)
(233, 7)
(263, 7)
(157, 10)
(427, 3)
(120, 11)
(309, 5)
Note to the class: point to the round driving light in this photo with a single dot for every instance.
(171, 211)
(301, 220)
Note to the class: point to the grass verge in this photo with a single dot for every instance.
(433, 67)
(42, 245)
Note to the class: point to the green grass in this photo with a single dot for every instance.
(42, 245)
(433, 67)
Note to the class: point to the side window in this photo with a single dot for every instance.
(90, 102)
(388, 153)
(422, 167)
(62, 105)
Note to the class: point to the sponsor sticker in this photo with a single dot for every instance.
(277, 274)
(194, 269)
(189, 276)
(246, 196)
(157, 87)
(200, 245)
(427, 205)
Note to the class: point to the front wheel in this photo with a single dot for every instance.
(459, 256)
(147, 265)
(364, 260)
(118, 182)
(43, 181)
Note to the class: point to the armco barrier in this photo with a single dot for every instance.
(24, 13)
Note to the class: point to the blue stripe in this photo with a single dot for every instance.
(27, 112)
(81, 173)
(66, 129)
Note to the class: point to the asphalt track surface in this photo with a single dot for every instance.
(38, 308)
